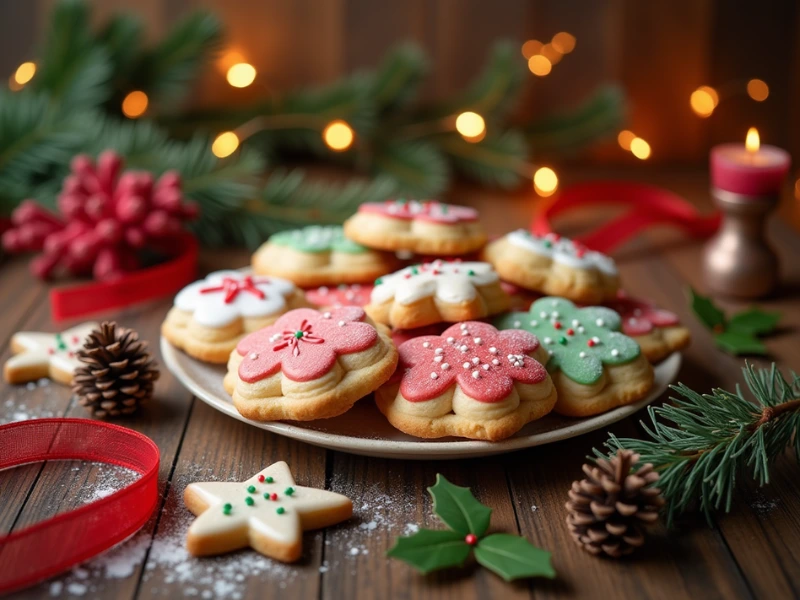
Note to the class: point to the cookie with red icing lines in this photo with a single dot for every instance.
(553, 265)
(447, 291)
(471, 381)
(419, 226)
(211, 315)
(658, 332)
(355, 294)
(309, 365)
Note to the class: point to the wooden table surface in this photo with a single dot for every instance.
(752, 552)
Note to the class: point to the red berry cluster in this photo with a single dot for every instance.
(106, 217)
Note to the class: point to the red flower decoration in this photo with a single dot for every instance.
(639, 317)
(304, 343)
(485, 362)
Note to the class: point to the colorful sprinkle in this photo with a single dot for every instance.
(269, 479)
(289, 491)
(249, 501)
(251, 489)
(227, 508)
(280, 510)
(261, 479)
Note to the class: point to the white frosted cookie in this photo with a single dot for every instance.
(423, 227)
(449, 291)
(320, 255)
(268, 513)
(210, 316)
(471, 381)
(554, 265)
(52, 355)
(594, 366)
(309, 365)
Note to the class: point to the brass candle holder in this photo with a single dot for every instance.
(738, 261)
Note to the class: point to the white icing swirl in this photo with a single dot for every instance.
(563, 251)
(449, 281)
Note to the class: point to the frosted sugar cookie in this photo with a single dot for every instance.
(449, 291)
(210, 316)
(471, 381)
(320, 255)
(594, 367)
(268, 513)
(309, 365)
(423, 227)
(355, 294)
(553, 265)
(658, 332)
(52, 355)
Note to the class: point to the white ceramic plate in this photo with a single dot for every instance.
(364, 430)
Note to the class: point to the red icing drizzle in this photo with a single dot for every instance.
(424, 210)
(343, 295)
(496, 370)
(639, 317)
(231, 287)
(310, 356)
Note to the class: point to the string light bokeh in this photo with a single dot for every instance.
(225, 144)
(542, 56)
(241, 75)
(338, 135)
(135, 104)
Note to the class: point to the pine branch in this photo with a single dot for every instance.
(418, 168)
(498, 160)
(703, 442)
(399, 77)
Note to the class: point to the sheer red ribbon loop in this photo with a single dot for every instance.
(54, 545)
(650, 205)
(138, 286)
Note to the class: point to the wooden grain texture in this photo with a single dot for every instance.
(752, 552)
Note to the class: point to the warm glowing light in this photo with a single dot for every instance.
(757, 89)
(530, 48)
(471, 125)
(13, 85)
(563, 42)
(752, 142)
(241, 75)
(625, 138)
(540, 65)
(640, 149)
(134, 104)
(338, 135)
(550, 53)
(225, 144)
(25, 73)
(545, 181)
(704, 100)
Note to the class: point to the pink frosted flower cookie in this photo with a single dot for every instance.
(554, 266)
(658, 332)
(435, 292)
(423, 227)
(471, 381)
(309, 365)
(211, 315)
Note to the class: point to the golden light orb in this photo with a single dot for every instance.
(545, 181)
(540, 65)
(135, 104)
(640, 148)
(471, 125)
(758, 90)
(241, 75)
(225, 144)
(338, 135)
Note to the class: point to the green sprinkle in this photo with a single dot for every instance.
(414, 271)
(547, 243)
(289, 491)
(562, 340)
(470, 272)
(251, 489)
(269, 480)
(280, 510)
(227, 508)
(60, 342)
(266, 495)
(378, 281)
(298, 334)
(249, 501)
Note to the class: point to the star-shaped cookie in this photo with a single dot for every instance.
(52, 355)
(268, 512)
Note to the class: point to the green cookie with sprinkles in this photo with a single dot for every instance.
(594, 366)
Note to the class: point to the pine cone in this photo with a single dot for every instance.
(608, 509)
(118, 374)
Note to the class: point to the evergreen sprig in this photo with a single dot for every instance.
(702, 443)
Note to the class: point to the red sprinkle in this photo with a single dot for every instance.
(590, 343)
(436, 272)
(51, 351)
(75, 339)
(70, 354)
(273, 496)
(570, 331)
(580, 252)
(261, 478)
(407, 276)
(471, 539)
(557, 325)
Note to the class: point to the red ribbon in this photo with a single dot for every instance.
(50, 547)
(138, 286)
(650, 206)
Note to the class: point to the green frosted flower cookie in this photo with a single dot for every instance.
(580, 341)
(317, 238)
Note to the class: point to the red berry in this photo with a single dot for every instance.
(471, 539)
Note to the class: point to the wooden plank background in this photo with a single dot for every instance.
(659, 51)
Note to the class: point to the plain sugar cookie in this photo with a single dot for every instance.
(422, 227)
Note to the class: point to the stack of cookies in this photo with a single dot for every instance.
(407, 301)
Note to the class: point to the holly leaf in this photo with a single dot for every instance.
(710, 315)
(429, 550)
(513, 557)
(737, 342)
(458, 508)
(754, 321)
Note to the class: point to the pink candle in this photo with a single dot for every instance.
(749, 169)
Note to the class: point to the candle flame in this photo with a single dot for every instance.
(752, 142)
